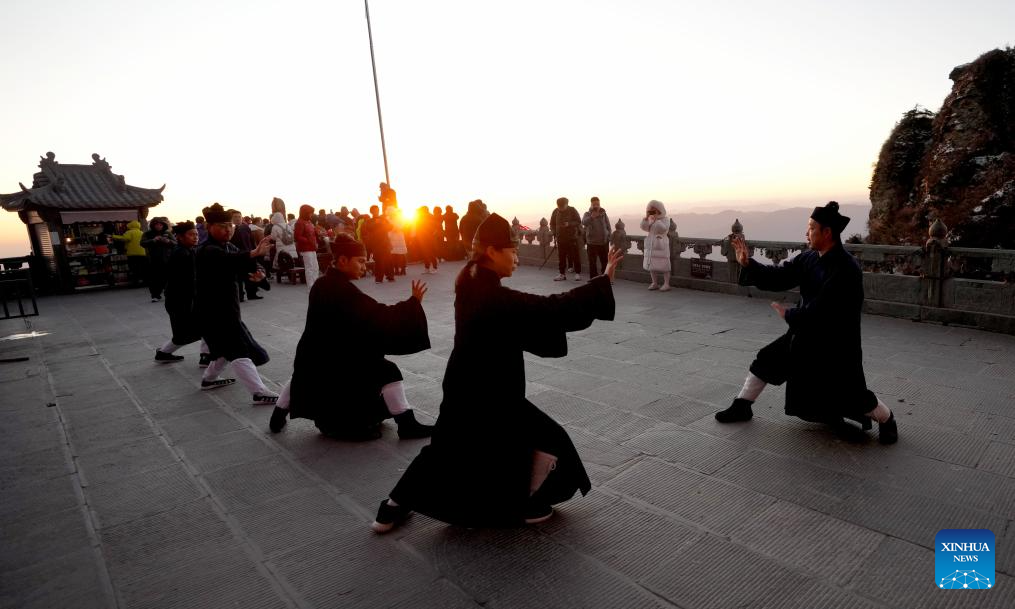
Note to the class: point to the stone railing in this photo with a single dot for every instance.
(933, 282)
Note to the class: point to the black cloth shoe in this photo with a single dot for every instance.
(204, 361)
(740, 410)
(209, 385)
(888, 432)
(537, 512)
(389, 517)
(278, 419)
(255, 297)
(409, 428)
(166, 358)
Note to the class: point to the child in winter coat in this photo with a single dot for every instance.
(657, 245)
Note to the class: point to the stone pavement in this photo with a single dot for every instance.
(123, 485)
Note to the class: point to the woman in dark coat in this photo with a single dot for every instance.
(217, 307)
(495, 459)
(348, 334)
(820, 357)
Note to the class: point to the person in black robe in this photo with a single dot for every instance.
(217, 307)
(820, 356)
(349, 333)
(180, 297)
(243, 239)
(495, 459)
(158, 243)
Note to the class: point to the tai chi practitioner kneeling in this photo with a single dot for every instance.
(820, 357)
(495, 459)
(341, 379)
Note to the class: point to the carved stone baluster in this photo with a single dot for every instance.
(727, 250)
(618, 239)
(934, 267)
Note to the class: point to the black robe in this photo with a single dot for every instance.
(478, 466)
(346, 337)
(180, 288)
(217, 303)
(820, 357)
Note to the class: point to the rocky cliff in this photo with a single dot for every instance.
(957, 165)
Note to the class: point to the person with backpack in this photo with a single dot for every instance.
(285, 242)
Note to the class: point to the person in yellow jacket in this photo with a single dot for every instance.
(137, 256)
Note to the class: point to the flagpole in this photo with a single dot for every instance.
(377, 93)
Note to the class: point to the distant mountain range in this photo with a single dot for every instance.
(780, 225)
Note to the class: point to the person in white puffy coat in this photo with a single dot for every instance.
(657, 245)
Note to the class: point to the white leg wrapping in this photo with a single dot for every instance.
(752, 388)
(169, 347)
(246, 373)
(283, 397)
(204, 346)
(214, 369)
(881, 413)
(542, 465)
(394, 398)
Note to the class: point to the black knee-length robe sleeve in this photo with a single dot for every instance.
(820, 357)
(477, 468)
(340, 367)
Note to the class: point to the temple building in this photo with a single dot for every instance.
(71, 211)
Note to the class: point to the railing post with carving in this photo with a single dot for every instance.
(516, 229)
(675, 247)
(544, 235)
(619, 240)
(935, 255)
(732, 266)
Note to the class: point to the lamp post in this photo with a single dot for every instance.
(377, 93)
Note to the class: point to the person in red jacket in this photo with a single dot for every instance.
(306, 243)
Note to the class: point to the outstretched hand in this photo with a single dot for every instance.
(418, 289)
(740, 246)
(780, 308)
(612, 261)
(263, 247)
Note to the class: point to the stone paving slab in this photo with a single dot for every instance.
(124, 485)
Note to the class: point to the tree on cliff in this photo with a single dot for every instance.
(957, 165)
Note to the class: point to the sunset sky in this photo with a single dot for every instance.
(717, 104)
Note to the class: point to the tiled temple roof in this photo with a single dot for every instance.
(69, 187)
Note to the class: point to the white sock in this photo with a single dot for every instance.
(394, 398)
(246, 373)
(214, 369)
(881, 413)
(284, 396)
(752, 388)
(204, 346)
(542, 464)
(169, 347)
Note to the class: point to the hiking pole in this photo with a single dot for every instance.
(552, 249)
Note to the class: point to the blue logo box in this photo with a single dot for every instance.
(964, 559)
